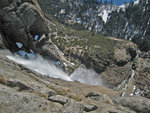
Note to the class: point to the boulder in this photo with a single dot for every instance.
(121, 56)
(72, 107)
(59, 99)
(89, 108)
(93, 95)
(138, 104)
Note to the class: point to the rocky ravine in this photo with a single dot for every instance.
(23, 90)
(117, 61)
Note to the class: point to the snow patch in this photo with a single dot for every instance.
(104, 15)
(36, 37)
(19, 44)
(136, 2)
(123, 6)
(133, 73)
(25, 54)
(134, 88)
(79, 20)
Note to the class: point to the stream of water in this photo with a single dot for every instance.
(48, 68)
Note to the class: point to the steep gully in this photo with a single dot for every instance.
(53, 68)
(128, 85)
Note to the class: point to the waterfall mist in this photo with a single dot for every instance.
(48, 68)
(86, 76)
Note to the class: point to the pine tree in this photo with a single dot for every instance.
(106, 2)
(111, 2)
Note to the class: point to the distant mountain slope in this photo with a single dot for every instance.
(132, 24)
(128, 21)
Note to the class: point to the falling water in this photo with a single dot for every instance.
(48, 68)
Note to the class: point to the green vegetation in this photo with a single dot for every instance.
(86, 47)
(83, 47)
(96, 43)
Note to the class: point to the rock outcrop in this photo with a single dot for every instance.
(140, 105)
(124, 54)
(142, 77)
(23, 21)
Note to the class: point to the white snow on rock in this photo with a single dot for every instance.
(19, 44)
(36, 37)
(105, 15)
(136, 2)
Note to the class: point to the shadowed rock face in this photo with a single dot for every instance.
(140, 105)
(2, 40)
(21, 21)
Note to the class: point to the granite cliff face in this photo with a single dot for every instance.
(24, 27)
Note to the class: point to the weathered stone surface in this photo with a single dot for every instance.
(121, 56)
(93, 95)
(143, 75)
(89, 108)
(115, 75)
(72, 107)
(139, 104)
(59, 99)
(12, 101)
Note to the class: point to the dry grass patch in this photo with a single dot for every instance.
(3, 80)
